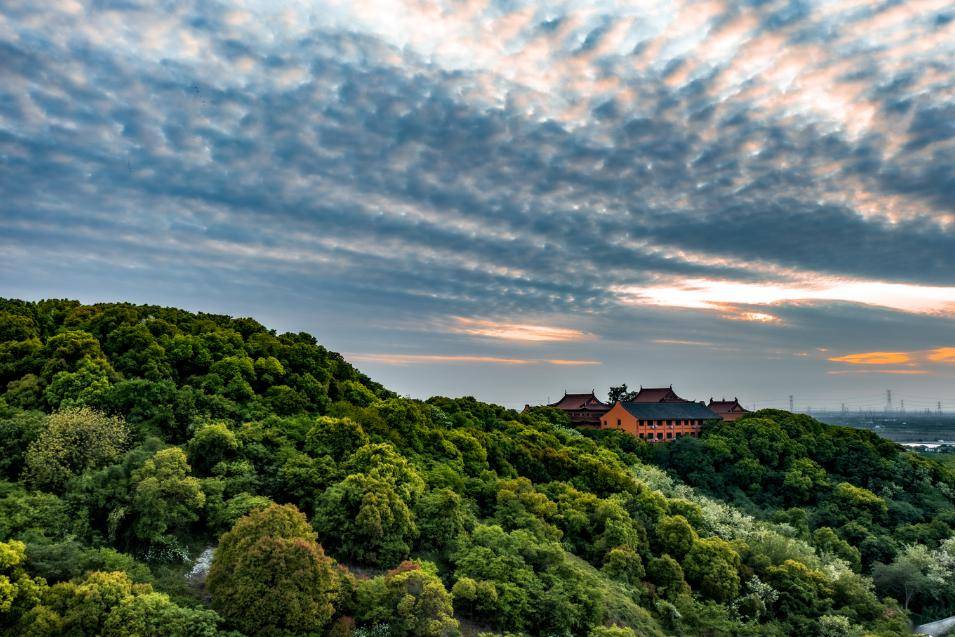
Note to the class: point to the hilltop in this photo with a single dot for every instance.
(134, 437)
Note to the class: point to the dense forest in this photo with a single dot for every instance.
(170, 473)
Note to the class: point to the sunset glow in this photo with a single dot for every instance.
(873, 358)
(715, 294)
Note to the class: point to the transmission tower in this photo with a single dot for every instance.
(940, 408)
(791, 402)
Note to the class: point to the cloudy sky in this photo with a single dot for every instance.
(502, 198)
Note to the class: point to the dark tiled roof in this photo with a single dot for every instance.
(724, 406)
(657, 395)
(579, 401)
(670, 411)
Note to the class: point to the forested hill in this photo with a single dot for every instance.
(134, 438)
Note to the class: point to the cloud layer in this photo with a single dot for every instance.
(459, 179)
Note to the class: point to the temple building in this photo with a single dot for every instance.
(584, 410)
(729, 410)
(659, 421)
(657, 395)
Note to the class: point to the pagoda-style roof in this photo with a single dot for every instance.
(727, 406)
(658, 395)
(670, 411)
(580, 401)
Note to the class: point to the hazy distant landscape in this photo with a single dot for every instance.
(913, 428)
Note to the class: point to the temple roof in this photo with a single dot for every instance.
(657, 395)
(726, 406)
(579, 401)
(670, 411)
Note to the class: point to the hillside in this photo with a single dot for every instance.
(134, 437)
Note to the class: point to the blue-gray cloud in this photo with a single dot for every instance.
(471, 159)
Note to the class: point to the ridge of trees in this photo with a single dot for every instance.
(133, 437)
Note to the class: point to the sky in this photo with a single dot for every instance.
(506, 199)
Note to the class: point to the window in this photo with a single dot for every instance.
(618, 422)
(660, 435)
(670, 435)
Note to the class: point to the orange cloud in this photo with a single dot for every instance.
(905, 372)
(516, 331)
(874, 358)
(942, 355)
(939, 355)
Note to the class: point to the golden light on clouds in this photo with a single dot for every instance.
(713, 294)
(755, 317)
(942, 355)
(899, 372)
(874, 358)
(516, 331)
(914, 361)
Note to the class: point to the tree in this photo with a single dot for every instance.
(802, 590)
(675, 536)
(442, 518)
(712, 566)
(270, 576)
(17, 430)
(620, 393)
(624, 565)
(667, 575)
(364, 518)
(411, 600)
(211, 445)
(155, 615)
(66, 351)
(14, 327)
(856, 501)
(74, 440)
(382, 461)
(520, 505)
(87, 385)
(165, 496)
(912, 576)
(336, 437)
(357, 394)
(85, 605)
(225, 514)
(804, 478)
(18, 591)
(827, 541)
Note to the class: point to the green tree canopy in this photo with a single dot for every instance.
(73, 441)
(166, 497)
(270, 577)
